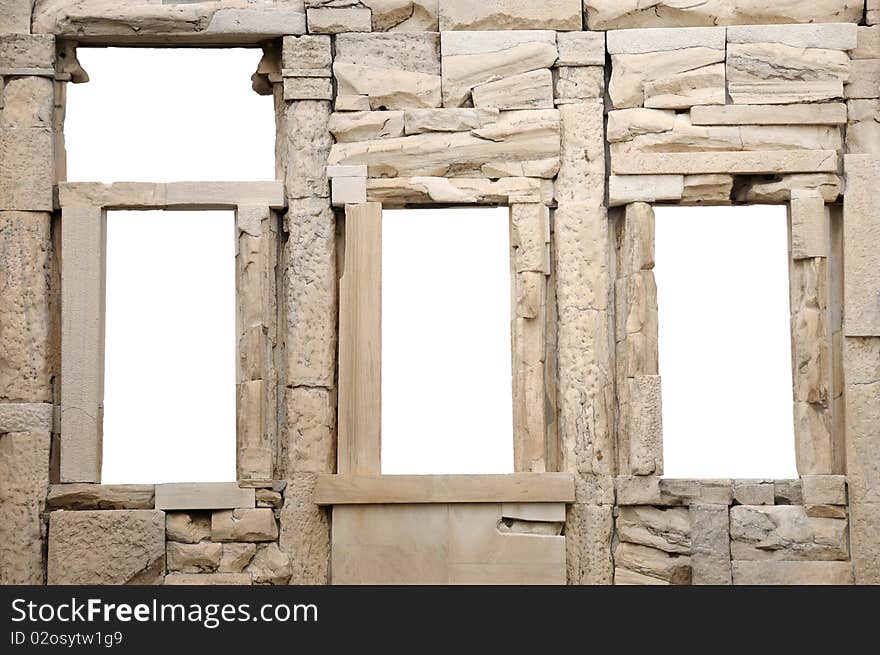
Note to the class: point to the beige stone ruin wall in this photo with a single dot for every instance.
(577, 115)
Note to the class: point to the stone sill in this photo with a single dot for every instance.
(385, 489)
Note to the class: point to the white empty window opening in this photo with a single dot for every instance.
(725, 344)
(169, 383)
(446, 346)
(164, 115)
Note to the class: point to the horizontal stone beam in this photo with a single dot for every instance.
(830, 113)
(101, 496)
(172, 195)
(738, 163)
(204, 495)
(511, 488)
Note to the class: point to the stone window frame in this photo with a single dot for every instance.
(816, 261)
(84, 208)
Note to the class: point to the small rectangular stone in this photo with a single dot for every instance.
(348, 102)
(309, 51)
(768, 162)
(831, 113)
(580, 48)
(869, 43)
(26, 417)
(308, 88)
(203, 495)
(638, 489)
(461, 119)
(753, 492)
(485, 42)
(640, 41)
(306, 72)
(248, 525)
(348, 190)
(333, 20)
(675, 492)
(792, 573)
(532, 90)
(191, 579)
(510, 15)
(101, 496)
(710, 545)
(626, 189)
(864, 80)
(27, 51)
(346, 171)
(824, 489)
(830, 36)
(809, 223)
(825, 511)
(787, 492)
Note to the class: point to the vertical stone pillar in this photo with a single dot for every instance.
(861, 362)
(28, 358)
(309, 316)
(583, 258)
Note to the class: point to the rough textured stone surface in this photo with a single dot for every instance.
(778, 188)
(251, 525)
(578, 83)
(101, 496)
(588, 531)
(510, 15)
(26, 321)
(532, 90)
(188, 527)
(236, 557)
(203, 557)
(233, 579)
(863, 131)
(824, 489)
(861, 229)
(15, 16)
(27, 102)
(24, 478)
(308, 433)
(753, 492)
(865, 537)
(305, 532)
(580, 48)
(26, 417)
(27, 51)
(696, 492)
(340, 20)
(792, 573)
(270, 566)
(668, 530)
(404, 15)
(785, 533)
(365, 125)
(710, 544)
(671, 568)
(419, 121)
(106, 547)
(617, 14)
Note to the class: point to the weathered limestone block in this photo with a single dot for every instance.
(510, 15)
(638, 490)
(308, 143)
(249, 525)
(351, 102)
(308, 52)
(365, 125)
(873, 12)
(825, 511)
(432, 190)
(419, 121)
(808, 223)
(579, 83)
(793, 573)
(753, 492)
(668, 530)
(24, 478)
(785, 533)
(711, 188)
(686, 89)
(404, 15)
(308, 431)
(15, 16)
(694, 163)
(232, 579)
(868, 43)
(26, 417)
(236, 557)
(617, 14)
(672, 568)
(588, 532)
(26, 360)
(472, 58)
(861, 233)
(623, 577)
(627, 189)
(689, 76)
(203, 557)
(530, 237)
(27, 102)
(862, 439)
(778, 190)
(270, 566)
(520, 143)
(188, 527)
(626, 124)
(310, 288)
(865, 537)
(836, 36)
(532, 90)
(864, 79)
(268, 498)
(787, 492)
(831, 113)
(695, 492)
(24, 51)
(101, 496)
(863, 131)
(710, 539)
(106, 547)
(774, 73)
(27, 169)
(308, 88)
(339, 20)
(642, 426)
(305, 532)
(580, 48)
(396, 71)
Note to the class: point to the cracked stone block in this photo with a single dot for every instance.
(250, 525)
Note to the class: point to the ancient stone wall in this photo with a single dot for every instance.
(577, 115)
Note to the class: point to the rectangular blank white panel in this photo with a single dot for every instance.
(169, 382)
(446, 346)
(725, 342)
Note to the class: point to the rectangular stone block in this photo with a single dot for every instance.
(753, 492)
(786, 533)
(769, 162)
(101, 496)
(579, 83)
(834, 36)
(864, 80)
(792, 573)
(863, 131)
(106, 547)
(532, 90)
(308, 88)
(824, 489)
(861, 228)
(636, 41)
(710, 545)
(366, 125)
(832, 113)
(333, 20)
(637, 489)
(27, 169)
(203, 495)
(27, 51)
(809, 224)
(348, 190)
(869, 43)
(510, 15)
(307, 52)
(26, 417)
(865, 537)
(15, 16)
(700, 492)
(248, 525)
(626, 189)
(580, 48)
(873, 12)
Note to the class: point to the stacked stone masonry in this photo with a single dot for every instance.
(577, 115)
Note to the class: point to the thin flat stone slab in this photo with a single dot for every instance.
(833, 36)
(203, 495)
(805, 114)
(769, 162)
(510, 15)
(861, 228)
(172, 195)
(635, 42)
(479, 191)
(79, 496)
(792, 573)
